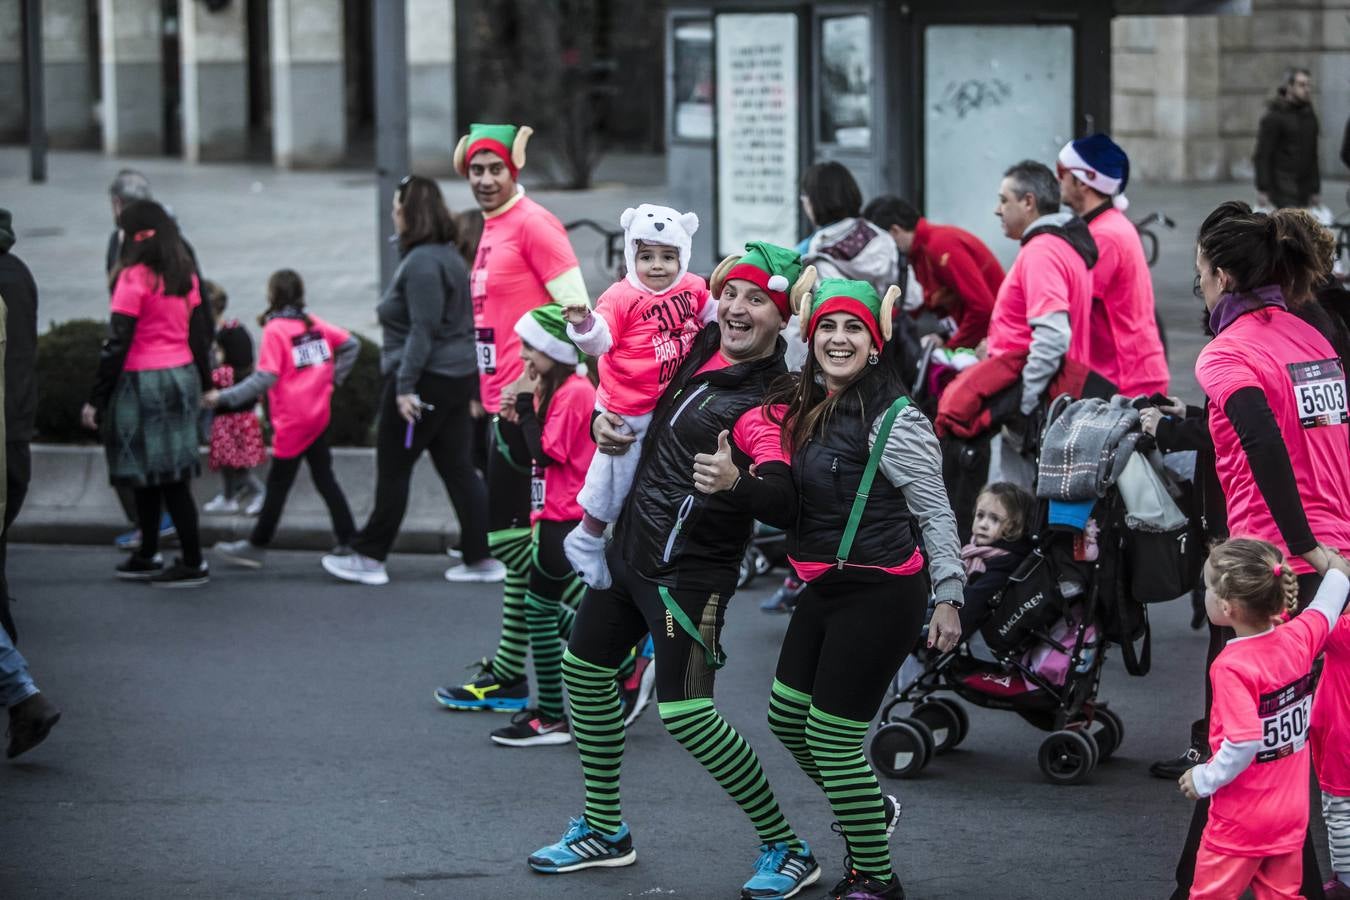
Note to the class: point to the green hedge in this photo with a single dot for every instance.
(68, 358)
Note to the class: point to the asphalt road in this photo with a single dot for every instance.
(274, 735)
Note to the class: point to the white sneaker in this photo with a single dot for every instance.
(485, 571)
(586, 553)
(221, 504)
(242, 553)
(358, 568)
(255, 505)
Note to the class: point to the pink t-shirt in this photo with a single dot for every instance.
(161, 338)
(521, 251)
(302, 360)
(652, 335)
(754, 433)
(1263, 690)
(1331, 714)
(1124, 342)
(1048, 276)
(1296, 369)
(566, 438)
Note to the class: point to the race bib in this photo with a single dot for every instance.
(536, 489)
(1284, 719)
(485, 348)
(1319, 393)
(309, 349)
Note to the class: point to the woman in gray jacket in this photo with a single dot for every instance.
(431, 376)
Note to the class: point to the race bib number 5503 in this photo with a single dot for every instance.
(1319, 392)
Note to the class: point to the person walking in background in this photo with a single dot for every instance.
(19, 293)
(303, 358)
(1125, 346)
(959, 275)
(147, 392)
(236, 442)
(428, 365)
(1285, 162)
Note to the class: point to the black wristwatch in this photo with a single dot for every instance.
(956, 603)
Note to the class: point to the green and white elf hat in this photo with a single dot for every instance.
(832, 295)
(545, 329)
(775, 270)
(506, 141)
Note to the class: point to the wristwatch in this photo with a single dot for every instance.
(956, 603)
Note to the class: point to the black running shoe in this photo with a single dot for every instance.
(857, 886)
(486, 691)
(181, 575)
(1172, 769)
(138, 568)
(531, 728)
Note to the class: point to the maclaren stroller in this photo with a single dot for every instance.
(1048, 630)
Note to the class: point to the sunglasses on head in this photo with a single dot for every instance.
(1061, 170)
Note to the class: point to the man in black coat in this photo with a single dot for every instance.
(1286, 167)
(21, 299)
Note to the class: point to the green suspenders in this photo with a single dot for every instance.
(865, 486)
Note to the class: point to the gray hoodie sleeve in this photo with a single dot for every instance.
(1050, 336)
(424, 292)
(345, 359)
(246, 393)
(912, 461)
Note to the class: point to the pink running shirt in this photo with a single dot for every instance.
(302, 360)
(1272, 350)
(522, 250)
(161, 338)
(1263, 688)
(566, 438)
(1331, 714)
(652, 335)
(1124, 342)
(1048, 276)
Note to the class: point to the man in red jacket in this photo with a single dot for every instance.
(960, 277)
(1125, 344)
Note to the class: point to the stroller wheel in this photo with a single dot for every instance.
(762, 562)
(893, 711)
(942, 724)
(961, 717)
(1107, 732)
(899, 749)
(1067, 757)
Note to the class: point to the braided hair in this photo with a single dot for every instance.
(1254, 576)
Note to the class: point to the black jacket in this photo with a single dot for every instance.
(669, 532)
(1286, 153)
(21, 390)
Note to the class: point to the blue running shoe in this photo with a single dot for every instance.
(166, 528)
(781, 872)
(487, 691)
(128, 540)
(783, 600)
(582, 847)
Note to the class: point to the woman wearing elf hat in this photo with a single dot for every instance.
(846, 419)
(712, 464)
(552, 406)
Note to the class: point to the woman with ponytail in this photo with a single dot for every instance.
(1257, 778)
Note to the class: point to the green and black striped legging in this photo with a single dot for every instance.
(843, 646)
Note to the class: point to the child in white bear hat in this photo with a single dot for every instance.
(641, 330)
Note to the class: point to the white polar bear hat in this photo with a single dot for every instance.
(662, 225)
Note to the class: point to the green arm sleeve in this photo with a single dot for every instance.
(569, 288)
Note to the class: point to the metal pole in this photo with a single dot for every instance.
(391, 122)
(37, 111)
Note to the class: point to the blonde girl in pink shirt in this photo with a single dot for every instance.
(641, 330)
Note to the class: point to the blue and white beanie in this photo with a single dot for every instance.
(1101, 164)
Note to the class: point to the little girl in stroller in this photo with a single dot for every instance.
(999, 541)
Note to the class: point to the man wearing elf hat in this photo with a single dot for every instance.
(713, 464)
(1125, 345)
(524, 261)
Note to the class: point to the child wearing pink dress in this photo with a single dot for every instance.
(641, 330)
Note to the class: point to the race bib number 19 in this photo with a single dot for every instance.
(1319, 393)
(1284, 719)
(486, 350)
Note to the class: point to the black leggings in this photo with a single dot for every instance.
(279, 480)
(1185, 874)
(611, 621)
(446, 433)
(508, 483)
(847, 638)
(175, 497)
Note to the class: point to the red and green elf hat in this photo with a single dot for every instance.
(769, 267)
(858, 298)
(506, 141)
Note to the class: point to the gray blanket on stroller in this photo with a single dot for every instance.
(1085, 448)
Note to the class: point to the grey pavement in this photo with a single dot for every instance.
(274, 735)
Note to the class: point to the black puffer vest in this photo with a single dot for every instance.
(668, 531)
(827, 472)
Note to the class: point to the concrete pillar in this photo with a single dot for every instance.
(12, 117)
(130, 40)
(214, 51)
(431, 86)
(309, 124)
(67, 73)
